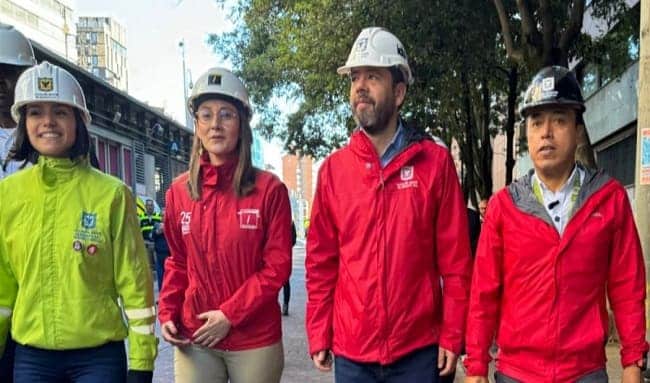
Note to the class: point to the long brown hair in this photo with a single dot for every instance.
(243, 181)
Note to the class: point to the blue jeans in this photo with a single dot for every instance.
(7, 361)
(103, 364)
(420, 366)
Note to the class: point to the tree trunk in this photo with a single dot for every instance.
(469, 138)
(485, 188)
(513, 78)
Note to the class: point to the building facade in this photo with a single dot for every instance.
(133, 141)
(298, 176)
(101, 49)
(48, 22)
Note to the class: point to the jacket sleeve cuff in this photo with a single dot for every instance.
(165, 317)
(447, 344)
(631, 356)
(141, 364)
(474, 368)
(232, 315)
(316, 346)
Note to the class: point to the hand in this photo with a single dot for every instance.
(632, 373)
(215, 328)
(170, 334)
(446, 361)
(476, 379)
(135, 376)
(323, 360)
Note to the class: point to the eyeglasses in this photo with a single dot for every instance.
(225, 116)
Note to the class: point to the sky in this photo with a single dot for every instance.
(154, 29)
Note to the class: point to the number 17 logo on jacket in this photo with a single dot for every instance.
(249, 218)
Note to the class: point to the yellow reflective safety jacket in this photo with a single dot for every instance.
(70, 250)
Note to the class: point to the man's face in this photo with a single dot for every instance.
(373, 97)
(482, 207)
(8, 77)
(149, 206)
(552, 138)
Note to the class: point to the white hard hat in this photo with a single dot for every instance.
(376, 47)
(48, 83)
(15, 49)
(220, 81)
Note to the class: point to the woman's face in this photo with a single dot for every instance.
(51, 128)
(217, 126)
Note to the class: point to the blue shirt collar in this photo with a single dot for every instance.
(395, 146)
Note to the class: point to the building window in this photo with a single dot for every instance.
(94, 60)
(618, 160)
(114, 160)
(127, 155)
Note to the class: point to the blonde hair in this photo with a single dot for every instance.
(243, 181)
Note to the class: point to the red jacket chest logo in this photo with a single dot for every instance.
(249, 218)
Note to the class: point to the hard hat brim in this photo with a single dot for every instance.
(525, 111)
(346, 69)
(15, 109)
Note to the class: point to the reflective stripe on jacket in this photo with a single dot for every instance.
(70, 249)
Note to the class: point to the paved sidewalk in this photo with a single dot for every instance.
(298, 367)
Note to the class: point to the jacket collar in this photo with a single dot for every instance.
(523, 197)
(361, 145)
(220, 175)
(59, 170)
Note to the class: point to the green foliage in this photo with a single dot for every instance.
(287, 52)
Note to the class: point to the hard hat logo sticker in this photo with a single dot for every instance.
(361, 45)
(214, 79)
(45, 84)
(548, 84)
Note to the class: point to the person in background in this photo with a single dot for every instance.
(286, 289)
(148, 219)
(16, 55)
(161, 249)
(69, 248)
(482, 208)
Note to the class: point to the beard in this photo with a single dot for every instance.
(374, 118)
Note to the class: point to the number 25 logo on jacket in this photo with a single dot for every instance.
(249, 218)
(186, 219)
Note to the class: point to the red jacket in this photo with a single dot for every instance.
(227, 253)
(544, 295)
(380, 240)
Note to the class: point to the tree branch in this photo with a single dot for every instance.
(512, 53)
(573, 29)
(548, 31)
(528, 25)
